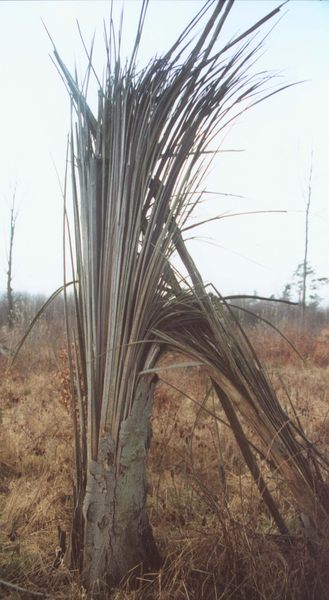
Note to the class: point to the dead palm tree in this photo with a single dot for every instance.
(135, 170)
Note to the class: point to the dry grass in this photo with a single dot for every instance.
(314, 348)
(212, 528)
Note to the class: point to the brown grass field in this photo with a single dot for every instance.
(216, 537)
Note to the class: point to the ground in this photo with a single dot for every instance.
(211, 526)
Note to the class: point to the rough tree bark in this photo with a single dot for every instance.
(118, 536)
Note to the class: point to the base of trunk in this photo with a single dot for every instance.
(118, 541)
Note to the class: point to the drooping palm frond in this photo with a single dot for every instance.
(134, 168)
(207, 331)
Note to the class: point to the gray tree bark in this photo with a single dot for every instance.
(118, 536)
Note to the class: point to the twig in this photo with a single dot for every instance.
(18, 588)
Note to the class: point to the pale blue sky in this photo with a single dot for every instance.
(240, 254)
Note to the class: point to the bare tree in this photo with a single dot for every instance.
(305, 262)
(10, 294)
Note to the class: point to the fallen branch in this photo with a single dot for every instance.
(18, 588)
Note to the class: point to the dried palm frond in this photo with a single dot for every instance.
(206, 329)
(134, 168)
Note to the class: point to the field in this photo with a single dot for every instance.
(213, 531)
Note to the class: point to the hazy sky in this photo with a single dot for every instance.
(239, 254)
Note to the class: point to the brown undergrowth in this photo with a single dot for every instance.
(214, 533)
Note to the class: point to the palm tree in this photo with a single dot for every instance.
(136, 169)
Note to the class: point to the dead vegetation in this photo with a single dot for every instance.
(214, 532)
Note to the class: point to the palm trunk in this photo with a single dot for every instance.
(118, 536)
